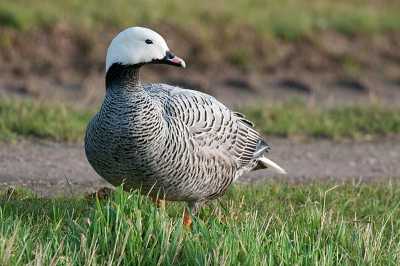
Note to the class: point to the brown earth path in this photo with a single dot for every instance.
(50, 168)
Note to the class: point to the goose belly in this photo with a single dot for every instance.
(165, 167)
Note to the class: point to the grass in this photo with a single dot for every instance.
(263, 35)
(61, 122)
(338, 122)
(288, 19)
(45, 120)
(268, 224)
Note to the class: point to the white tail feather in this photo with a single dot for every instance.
(271, 165)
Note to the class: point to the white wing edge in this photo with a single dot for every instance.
(272, 166)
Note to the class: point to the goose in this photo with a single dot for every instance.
(165, 139)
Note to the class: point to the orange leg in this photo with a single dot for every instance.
(160, 202)
(186, 220)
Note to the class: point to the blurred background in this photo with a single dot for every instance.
(319, 78)
(238, 51)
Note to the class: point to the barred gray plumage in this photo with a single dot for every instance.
(160, 138)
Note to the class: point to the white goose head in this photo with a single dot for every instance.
(138, 45)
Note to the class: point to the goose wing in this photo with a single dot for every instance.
(211, 123)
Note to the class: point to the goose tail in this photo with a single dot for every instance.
(271, 165)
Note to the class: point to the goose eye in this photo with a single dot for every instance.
(148, 41)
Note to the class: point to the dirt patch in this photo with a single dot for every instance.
(68, 63)
(59, 168)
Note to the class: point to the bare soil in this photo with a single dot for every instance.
(49, 168)
(329, 68)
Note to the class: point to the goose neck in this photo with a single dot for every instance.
(123, 76)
